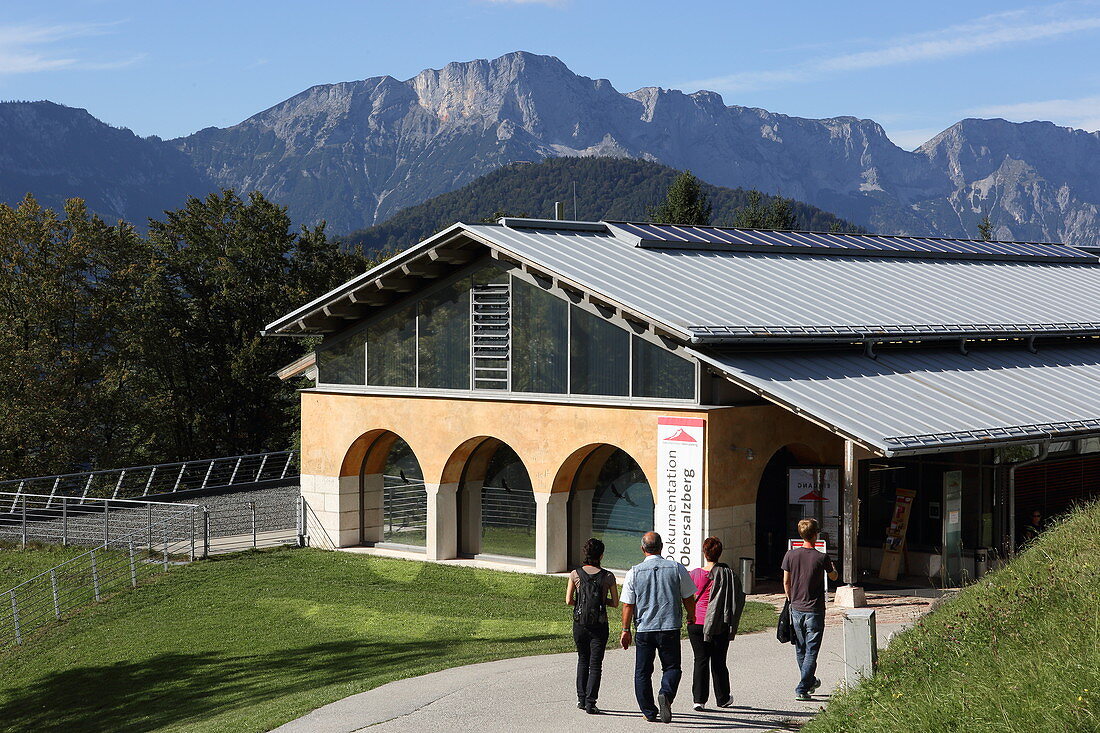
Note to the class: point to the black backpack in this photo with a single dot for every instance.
(588, 600)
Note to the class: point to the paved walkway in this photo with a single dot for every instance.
(536, 694)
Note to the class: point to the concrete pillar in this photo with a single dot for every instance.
(334, 504)
(850, 560)
(373, 513)
(469, 518)
(551, 532)
(580, 518)
(442, 541)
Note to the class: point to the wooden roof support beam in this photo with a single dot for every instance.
(343, 310)
(371, 298)
(423, 268)
(452, 255)
(398, 284)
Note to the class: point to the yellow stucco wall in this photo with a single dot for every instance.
(550, 439)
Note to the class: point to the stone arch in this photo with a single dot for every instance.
(773, 520)
(385, 474)
(495, 507)
(610, 498)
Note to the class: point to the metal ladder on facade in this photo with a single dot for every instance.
(491, 335)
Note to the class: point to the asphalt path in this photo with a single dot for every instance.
(538, 694)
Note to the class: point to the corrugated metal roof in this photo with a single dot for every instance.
(870, 245)
(917, 400)
(718, 295)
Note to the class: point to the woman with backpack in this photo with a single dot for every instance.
(590, 591)
(719, 601)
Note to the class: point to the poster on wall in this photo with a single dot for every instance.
(679, 510)
(894, 546)
(816, 489)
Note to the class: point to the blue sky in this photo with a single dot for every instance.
(170, 68)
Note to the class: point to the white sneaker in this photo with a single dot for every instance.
(698, 707)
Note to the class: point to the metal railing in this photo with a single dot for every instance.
(404, 511)
(509, 508)
(120, 560)
(158, 480)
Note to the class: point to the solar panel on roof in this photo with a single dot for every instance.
(755, 240)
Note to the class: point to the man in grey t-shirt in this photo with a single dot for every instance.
(804, 571)
(653, 593)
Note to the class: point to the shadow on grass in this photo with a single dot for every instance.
(179, 688)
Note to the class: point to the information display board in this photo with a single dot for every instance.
(679, 509)
(816, 489)
(895, 534)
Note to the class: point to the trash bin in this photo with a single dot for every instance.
(748, 579)
(981, 562)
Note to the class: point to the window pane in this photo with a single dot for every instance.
(507, 507)
(660, 373)
(600, 354)
(342, 362)
(445, 337)
(622, 510)
(391, 350)
(540, 333)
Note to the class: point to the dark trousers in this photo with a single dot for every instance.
(591, 641)
(710, 662)
(647, 645)
(808, 628)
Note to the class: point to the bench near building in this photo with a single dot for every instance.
(508, 390)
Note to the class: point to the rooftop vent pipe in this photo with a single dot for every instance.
(559, 210)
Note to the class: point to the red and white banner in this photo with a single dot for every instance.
(679, 510)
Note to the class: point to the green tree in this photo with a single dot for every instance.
(65, 388)
(685, 203)
(759, 213)
(222, 268)
(985, 229)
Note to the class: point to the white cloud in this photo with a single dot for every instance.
(29, 48)
(981, 34)
(1082, 113)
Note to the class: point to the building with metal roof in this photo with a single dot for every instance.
(525, 379)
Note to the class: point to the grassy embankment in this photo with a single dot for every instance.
(248, 641)
(1018, 651)
(17, 565)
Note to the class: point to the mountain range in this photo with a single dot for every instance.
(355, 153)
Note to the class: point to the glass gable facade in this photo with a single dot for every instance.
(493, 330)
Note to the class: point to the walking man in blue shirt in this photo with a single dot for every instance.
(653, 593)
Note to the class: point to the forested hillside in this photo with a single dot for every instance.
(606, 189)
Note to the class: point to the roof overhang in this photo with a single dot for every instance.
(911, 401)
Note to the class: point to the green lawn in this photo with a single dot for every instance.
(17, 566)
(1018, 651)
(248, 641)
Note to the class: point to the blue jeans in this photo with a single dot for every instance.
(648, 644)
(808, 627)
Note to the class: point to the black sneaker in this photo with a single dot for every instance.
(817, 684)
(592, 710)
(803, 697)
(651, 720)
(580, 705)
(664, 708)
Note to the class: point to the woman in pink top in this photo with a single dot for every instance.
(710, 654)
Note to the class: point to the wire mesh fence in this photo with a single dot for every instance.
(118, 562)
(164, 478)
(97, 522)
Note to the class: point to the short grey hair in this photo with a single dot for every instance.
(652, 543)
